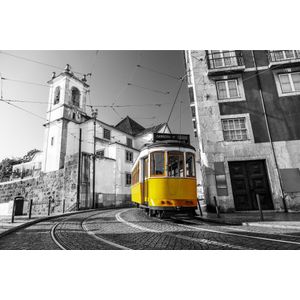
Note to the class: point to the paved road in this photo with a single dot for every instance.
(132, 229)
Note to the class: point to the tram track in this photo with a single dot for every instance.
(180, 236)
(248, 234)
(56, 231)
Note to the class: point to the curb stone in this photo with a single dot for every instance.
(279, 226)
(220, 221)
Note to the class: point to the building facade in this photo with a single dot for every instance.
(246, 110)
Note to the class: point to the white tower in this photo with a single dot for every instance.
(67, 103)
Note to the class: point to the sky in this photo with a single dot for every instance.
(151, 83)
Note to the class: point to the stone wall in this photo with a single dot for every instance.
(61, 185)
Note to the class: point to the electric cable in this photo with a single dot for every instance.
(35, 61)
(26, 82)
(149, 89)
(158, 72)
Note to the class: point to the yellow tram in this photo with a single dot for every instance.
(164, 176)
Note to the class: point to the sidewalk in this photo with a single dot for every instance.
(5, 222)
(271, 219)
(7, 227)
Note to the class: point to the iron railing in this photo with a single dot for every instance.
(283, 55)
(224, 59)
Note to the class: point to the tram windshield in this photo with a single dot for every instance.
(157, 163)
(175, 164)
(190, 165)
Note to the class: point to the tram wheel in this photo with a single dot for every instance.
(161, 214)
(191, 214)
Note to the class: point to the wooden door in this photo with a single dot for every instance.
(249, 178)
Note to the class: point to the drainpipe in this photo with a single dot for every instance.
(268, 130)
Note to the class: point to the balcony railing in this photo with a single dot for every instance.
(283, 56)
(219, 61)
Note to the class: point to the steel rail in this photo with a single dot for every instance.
(180, 236)
(64, 246)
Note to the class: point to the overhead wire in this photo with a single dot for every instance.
(25, 101)
(1, 86)
(21, 108)
(26, 82)
(33, 114)
(149, 89)
(125, 86)
(158, 72)
(35, 61)
(174, 102)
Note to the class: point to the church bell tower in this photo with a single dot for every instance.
(66, 105)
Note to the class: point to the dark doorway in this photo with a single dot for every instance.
(19, 206)
(85, 195)
(249, 178)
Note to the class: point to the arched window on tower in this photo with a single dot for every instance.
(56, 95)
(75, 96)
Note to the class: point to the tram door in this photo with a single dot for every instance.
(145, 181)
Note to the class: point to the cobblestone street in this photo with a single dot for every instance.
(133, 229)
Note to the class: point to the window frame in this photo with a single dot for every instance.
(226, 81)
(130, 160)
(291, 82)
(164, 164)
(135, 177)
(57, 95)
(130, 144)
(235, 129)
(105, 130)
(277, 75)
(74, 88)
(167, 168)
(239, 85)
(100, 153)
(194, 164)
(128, 174)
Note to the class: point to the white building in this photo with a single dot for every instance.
(117, 146)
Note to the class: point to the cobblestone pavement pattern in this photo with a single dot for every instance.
(133, 229)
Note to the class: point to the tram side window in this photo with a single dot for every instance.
(157, 163)
(175, 164)
(135, 175)
(190, 165)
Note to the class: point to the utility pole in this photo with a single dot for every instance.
(1, 87)
(79, 171)
(94, 114)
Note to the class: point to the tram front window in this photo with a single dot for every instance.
(157, 163)
(190, 165)
(175, 164)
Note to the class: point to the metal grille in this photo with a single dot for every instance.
(283, 55)
(218, 59)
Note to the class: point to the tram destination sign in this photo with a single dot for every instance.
(184, 138)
